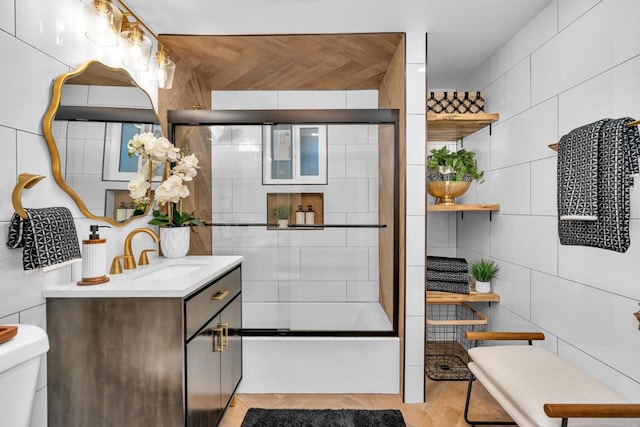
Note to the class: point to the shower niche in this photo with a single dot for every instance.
(304, 211)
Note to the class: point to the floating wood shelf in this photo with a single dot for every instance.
(460, 208)
(434, 297)
(451, 127)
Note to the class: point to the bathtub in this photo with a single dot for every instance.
(323, 364)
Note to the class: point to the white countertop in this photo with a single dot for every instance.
(163, 278)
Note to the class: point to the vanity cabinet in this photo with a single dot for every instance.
(145, 361)
(213, 351)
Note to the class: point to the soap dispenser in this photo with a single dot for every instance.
(94, 258)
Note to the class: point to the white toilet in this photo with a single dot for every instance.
(19, 366)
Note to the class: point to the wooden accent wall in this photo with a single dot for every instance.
(287, 61)
(189, 88)
(391, 94)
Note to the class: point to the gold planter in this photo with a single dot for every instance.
(447, 191)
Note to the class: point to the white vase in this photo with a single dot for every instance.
(174, 241)
(483, 287)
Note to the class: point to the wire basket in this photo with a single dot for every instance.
(446, 350)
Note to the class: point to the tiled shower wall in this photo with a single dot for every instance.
(576, 62)
(338, 265)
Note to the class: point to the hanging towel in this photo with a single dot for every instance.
(578, 173)
(448, 276)
(438, 263)
(48, 237)
(618, 153)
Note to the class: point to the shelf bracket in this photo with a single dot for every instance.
(490, 129)
(490, 216)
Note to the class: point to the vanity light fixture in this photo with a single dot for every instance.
(138, 48)
(106, 23)
(106, 32)
(164, 70)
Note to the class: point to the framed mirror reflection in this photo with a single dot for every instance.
(95, 110)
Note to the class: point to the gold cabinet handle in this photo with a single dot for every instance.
(220, 295)
(220, 337)
(225, 341)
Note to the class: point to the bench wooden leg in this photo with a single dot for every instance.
(474, 423)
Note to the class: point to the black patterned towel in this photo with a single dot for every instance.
(578, 173)
(448, 276)
(48, 237)
(453, 287)
(618, 154)
(439, 263)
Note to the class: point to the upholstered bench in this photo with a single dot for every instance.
(537, 388)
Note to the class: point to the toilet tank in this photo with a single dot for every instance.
(19, 366)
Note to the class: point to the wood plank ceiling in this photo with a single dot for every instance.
(286, 62)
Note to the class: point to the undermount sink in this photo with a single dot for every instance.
(170, 272)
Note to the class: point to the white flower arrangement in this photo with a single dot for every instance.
(154, 152)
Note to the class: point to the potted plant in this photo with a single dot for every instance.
(483, 271)
(282, 213)
(452, 173)
(175, 224)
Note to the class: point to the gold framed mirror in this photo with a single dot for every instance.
(94, 111)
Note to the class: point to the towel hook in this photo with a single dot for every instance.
(25, 180)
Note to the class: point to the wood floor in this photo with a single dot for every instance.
(444, 406)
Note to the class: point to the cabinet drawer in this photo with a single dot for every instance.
(208, 302)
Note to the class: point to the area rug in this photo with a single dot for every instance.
(257, 417)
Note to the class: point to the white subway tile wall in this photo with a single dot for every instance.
(530, 37)
(570, 10)
(415, 242)
(517, 140)
(7, 22)
(572, 64)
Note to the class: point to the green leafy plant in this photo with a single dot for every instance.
(177, 219)
(484, 270)
(462, 163)
(282, 211)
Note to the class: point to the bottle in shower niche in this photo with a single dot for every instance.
(300, 215)
(121, 212)
(309, 216)
(131, 210)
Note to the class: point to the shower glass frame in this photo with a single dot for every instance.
(390, 117)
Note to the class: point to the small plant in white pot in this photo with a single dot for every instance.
(483, 271)
(282, 212)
